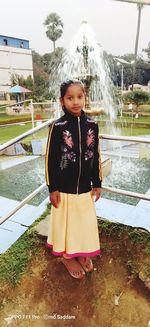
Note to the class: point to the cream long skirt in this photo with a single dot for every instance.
(73, 228)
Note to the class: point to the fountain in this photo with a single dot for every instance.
(85, 76)
(84, 60)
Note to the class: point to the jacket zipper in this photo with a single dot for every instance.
(80, 151)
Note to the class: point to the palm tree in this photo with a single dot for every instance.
(54, 27)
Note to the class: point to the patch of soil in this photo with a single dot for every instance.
(108, 297)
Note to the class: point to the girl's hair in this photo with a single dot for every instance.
(65, 85)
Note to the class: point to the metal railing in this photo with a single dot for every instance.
(104, 189)
(125, 138)
(14, 104)
(22, 203)
(31, 107)
(22, 136)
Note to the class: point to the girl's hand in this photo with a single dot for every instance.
(55, 198)
(96, 193)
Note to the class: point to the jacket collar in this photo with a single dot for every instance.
(69, 116)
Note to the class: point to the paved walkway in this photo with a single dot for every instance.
(14, 227)
(135, 216)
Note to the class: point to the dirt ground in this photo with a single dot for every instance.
(108, 297)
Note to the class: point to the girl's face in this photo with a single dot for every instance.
(74, 99)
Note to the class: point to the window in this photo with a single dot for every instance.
(5, 41)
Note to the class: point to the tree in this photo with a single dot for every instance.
(52, 60)
(20, 80)
(37, 58)
(142, 73)
(54, 27)
(147, 50)
(46, 73)
(137, 97)
(41, 88)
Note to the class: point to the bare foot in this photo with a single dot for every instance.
(73, 267)
(86, 263)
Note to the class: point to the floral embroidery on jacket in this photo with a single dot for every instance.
(68, 138)
(67, 153)
(90, 140)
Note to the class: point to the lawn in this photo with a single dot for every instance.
(125, 131)
(127, 119)
(9, 132)
(138, 120)
(4, 117)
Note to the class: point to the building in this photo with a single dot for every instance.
(15, 58)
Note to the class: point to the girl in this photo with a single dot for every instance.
(73, 176)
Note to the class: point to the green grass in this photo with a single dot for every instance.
(138, 120)
(135, 131)
(4, 117)
(126, 131)
(135, 234)
(45, 115)
(127, 119)
(14, 262)
(9, 132)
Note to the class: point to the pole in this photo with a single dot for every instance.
(32, 112)
(136, 43)
(122, 77)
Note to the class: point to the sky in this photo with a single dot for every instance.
(114, 22)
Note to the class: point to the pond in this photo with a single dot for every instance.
(128, 174)
(19, 181)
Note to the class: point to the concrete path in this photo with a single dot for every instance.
(16, 225)
(135, 216)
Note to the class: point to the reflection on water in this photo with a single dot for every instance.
(130, 175)
(127, 174)
(19, 181)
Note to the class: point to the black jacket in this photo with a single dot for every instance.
(73, 163)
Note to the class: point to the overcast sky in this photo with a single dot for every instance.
(113, 22)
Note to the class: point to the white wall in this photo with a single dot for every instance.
(14, 61)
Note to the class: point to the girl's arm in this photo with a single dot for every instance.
(96, 193)
(55, 198)
(97, 164)
(52, 159)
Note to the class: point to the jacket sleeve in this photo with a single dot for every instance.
(51, 159)
(97, 164)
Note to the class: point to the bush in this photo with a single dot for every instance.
(137, 97)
